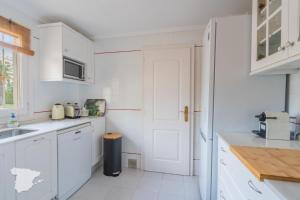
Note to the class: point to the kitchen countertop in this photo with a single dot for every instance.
(46, 127)
(284, 189)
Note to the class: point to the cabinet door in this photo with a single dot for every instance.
(270, 32)
(98, 125)
(90, 68)
(85, 154)
(74, 45)
(7, 180)
(294, 27)
(39, 154)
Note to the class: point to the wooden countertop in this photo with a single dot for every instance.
(270, 163)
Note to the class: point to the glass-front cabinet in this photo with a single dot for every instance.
(294, 27)
(269, 32)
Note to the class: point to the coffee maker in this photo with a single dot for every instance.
(273, 125)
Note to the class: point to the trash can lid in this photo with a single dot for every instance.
(112, 136)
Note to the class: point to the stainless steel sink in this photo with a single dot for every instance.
(14, 132)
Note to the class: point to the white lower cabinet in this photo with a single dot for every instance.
(98, 129)
(7, 180)
(235, 181)
(74, 160)
(39, 154)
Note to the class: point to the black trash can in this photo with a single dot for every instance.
(112, 154)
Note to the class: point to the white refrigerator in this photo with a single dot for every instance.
(230, 97)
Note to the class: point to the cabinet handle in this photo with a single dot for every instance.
(222, 162)
(38, 139)
(186, 113)
(252, 186)
(290, 44)
(281, 48)
(78, 138)
(77, 132)
(222, 195)
(223, 149)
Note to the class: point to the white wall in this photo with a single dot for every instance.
(120, 81)
(294, 96)
(294, 99)
(42, 95)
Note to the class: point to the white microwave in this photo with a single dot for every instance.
(73, 69)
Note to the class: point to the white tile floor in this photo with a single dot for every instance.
(138, 185)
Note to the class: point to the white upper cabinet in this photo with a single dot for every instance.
(90, 69)
(294, 27)
(39, 154)
(73, 45)
(58, 41)
(275, 36)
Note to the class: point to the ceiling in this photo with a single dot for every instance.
(107, 18)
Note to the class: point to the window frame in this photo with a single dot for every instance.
(16, 95)
(22, 107)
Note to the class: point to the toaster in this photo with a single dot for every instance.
(72, 111)
(57, 112)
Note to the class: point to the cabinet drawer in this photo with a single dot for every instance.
(247, 184)
(229, 183)
(223, 193)
(252, 188)
(223, 152)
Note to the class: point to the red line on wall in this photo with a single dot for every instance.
(121, 51)
(127, 51)
(124, 109)
(44, 111)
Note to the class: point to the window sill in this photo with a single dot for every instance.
(20, 113)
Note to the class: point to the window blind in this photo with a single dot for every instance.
(21, 33)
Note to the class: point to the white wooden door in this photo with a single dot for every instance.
(7, 180)
(39, 154)
(167, 91)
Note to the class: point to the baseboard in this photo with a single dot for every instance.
(98, 165)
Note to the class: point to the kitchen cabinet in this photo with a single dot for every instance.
(39, 154)
(275, 36)
(235, 181)
(74, 160)
(73, 45)
(7, 180)
(98, 126)
(57, 41)
(294, 27)
(90, 64)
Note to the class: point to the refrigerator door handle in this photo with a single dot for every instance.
(203, 136)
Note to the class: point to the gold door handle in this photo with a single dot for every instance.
(186, 113)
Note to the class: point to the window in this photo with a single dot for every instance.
(9, 74)
(15, 47)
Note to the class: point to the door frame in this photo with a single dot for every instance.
(192, 98)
